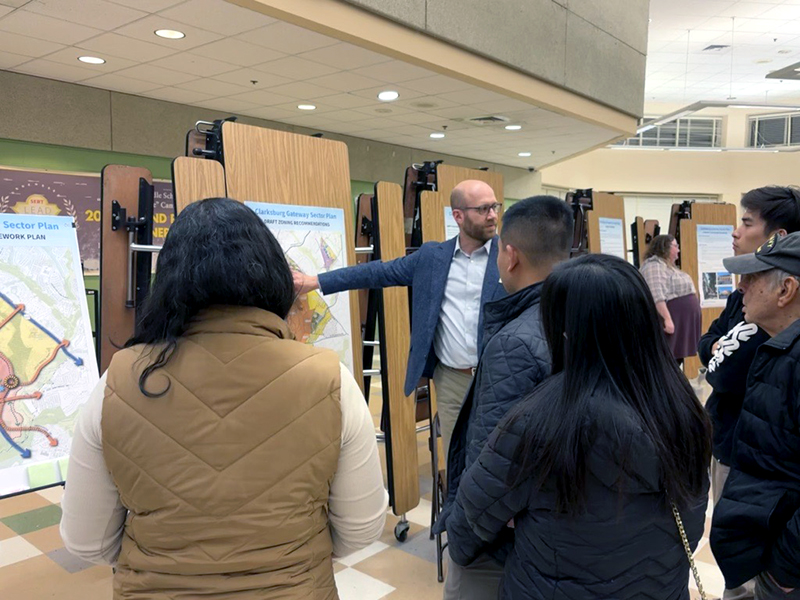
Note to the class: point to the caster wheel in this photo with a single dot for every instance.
(401, 531)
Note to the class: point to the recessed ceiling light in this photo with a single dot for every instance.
(170, 34)
(513, 127)
(92, 60)
(524, 154)
(306, 107)
(388, 96)
(437, 136)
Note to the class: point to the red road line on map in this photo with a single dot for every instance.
(34, 396)
(52, 357)
(18, 309)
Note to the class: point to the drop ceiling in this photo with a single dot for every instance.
(760, 36)
(235, 61)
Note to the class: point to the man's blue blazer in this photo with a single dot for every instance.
(426, 271)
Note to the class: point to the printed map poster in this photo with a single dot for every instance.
(451, 229)
(612, 240)
(313, 240)
(77, 196)
(47, 360)
(714, 244)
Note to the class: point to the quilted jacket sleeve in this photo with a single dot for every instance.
(374, 274)
(516, 364)
(485, 502)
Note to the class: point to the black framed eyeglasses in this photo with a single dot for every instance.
(484, 210)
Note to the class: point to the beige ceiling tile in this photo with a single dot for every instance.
(301, 90)
(172, 94)
(213, 88)
(54, 70)
(271, 113)
(150, 6)
(246, 77)
(46, 28)
(120, 83)
(227, 104)
(295, 68)
(394, 71)
(438, 84)
(472, 96)
(382, 110)
(417, 118)
(376, 123)
(188, 62)
(291, 106)
(237, 52)
(217, 16)
(454, 112)
(347, 101)
(26, 46)
(154, 74)
(113, 44)
(69, 56)
(345, 81)
(344, 56)
(94, 13)
(426, 103)
(4, 10)
(344, 116)
(9, 60)
(501, 106)
(262, 98)
(144, 29)
(372, 93)
(287, 38)
(14, 3)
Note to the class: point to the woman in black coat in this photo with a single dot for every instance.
(587, 468)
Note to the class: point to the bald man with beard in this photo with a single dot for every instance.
(451, 282)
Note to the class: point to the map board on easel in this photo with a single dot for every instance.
(47, 358)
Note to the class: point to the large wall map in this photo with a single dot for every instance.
(313, 240)
(47, 360)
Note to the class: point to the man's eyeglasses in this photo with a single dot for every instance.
(484, 209)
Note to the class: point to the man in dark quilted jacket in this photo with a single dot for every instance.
(756, 527)
(514, 359)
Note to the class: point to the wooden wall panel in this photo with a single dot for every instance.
(117, 322)
(397, 340)
(196, 179)
(432, 205)
(264, 165)
(607, 206)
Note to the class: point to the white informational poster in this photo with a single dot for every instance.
(450, 226)
(715, 283)
(48, 366)
(612, 238)
(313, 240)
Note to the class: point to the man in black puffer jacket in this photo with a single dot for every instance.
(756, 526)
(536, 235)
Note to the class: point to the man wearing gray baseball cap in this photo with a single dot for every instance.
(756, 527)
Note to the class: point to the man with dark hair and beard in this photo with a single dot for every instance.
(452, 281)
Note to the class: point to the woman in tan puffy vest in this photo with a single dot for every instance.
(218, 457)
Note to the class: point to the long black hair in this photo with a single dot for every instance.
(605, 336)
(217, 252)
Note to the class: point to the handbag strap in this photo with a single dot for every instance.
(688, 549)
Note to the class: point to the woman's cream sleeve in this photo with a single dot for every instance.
(358, 500)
